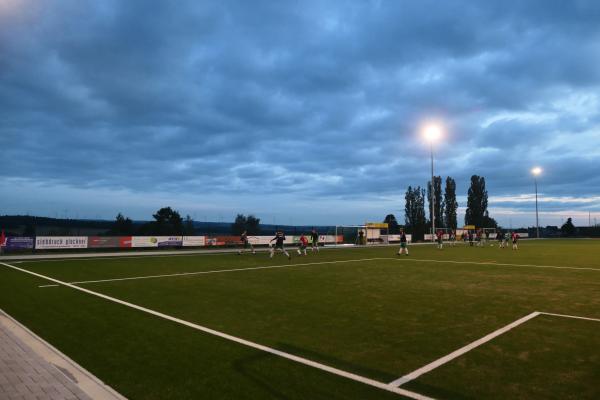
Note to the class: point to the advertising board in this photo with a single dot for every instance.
(194, 241)
(18, 242)
(156, 241)
(109, 241)
(60, 242)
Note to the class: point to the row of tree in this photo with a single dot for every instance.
(169, 222)
(166, 222)
(444, 209)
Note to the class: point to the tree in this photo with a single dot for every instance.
(122, 226)
(167, 222)
(250, 224)
(393, 226)
(438, 205)
(253, 225)
(489, 222)
(450, 204)
(188, 226)
(477, 202)
(414, 212)
(239, 224)
(568, 229)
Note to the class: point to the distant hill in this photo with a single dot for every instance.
(28, 225)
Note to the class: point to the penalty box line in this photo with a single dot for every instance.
(457, 353)
(288, 356)
(217, 271)
(497, 264)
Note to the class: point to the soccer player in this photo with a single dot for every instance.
(471, 238)
(302, 244)
(440, 239)
(453, 237)
(500, 238)
(244, 242)
(479, 244)
(515, 239)
(314, 235)
(403, 243)
(279, 240)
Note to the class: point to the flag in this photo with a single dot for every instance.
(2, 239)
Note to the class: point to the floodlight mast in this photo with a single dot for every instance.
(432, 133)
(536, 171)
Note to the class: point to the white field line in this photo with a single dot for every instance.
(496, 263)
(304, 361)
(570, 316)
(439, 362)
(457, 353)
(217, 271)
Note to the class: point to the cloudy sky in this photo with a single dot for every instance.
(301, 112)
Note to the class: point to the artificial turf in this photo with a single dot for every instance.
(379, 318)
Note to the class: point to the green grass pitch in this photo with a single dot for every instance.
(380, 318)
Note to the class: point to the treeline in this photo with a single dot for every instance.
(418, 216)
(166, 222)
(169, 222)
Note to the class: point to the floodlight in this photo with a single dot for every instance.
(536, 171)
(432, 133)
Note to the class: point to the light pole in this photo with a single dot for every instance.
(432, 133)
(536, 171)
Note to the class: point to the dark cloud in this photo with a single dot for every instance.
(313, 98)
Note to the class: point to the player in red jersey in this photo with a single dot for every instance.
(515, 239)
(440, 239)
(302, 244)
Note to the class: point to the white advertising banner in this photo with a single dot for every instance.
(61, 242)
(194, 241)
(144, 241)
(156, 241)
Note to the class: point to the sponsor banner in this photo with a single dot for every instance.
(109, 241)
(260, 240)
(18, 242)
(170, 241)
(144, 241)
(156, 241)
(225, 241)
(194, 241)
(61, 242)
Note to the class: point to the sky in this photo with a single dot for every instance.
(299, 112)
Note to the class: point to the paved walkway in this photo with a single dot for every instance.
(31, 369)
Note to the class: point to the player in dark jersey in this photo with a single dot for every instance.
(279, 240)
(314, 235)
(403, 243)
(500, 238)
(245, 243)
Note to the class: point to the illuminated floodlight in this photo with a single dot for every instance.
(432, 133)
(536, 171)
